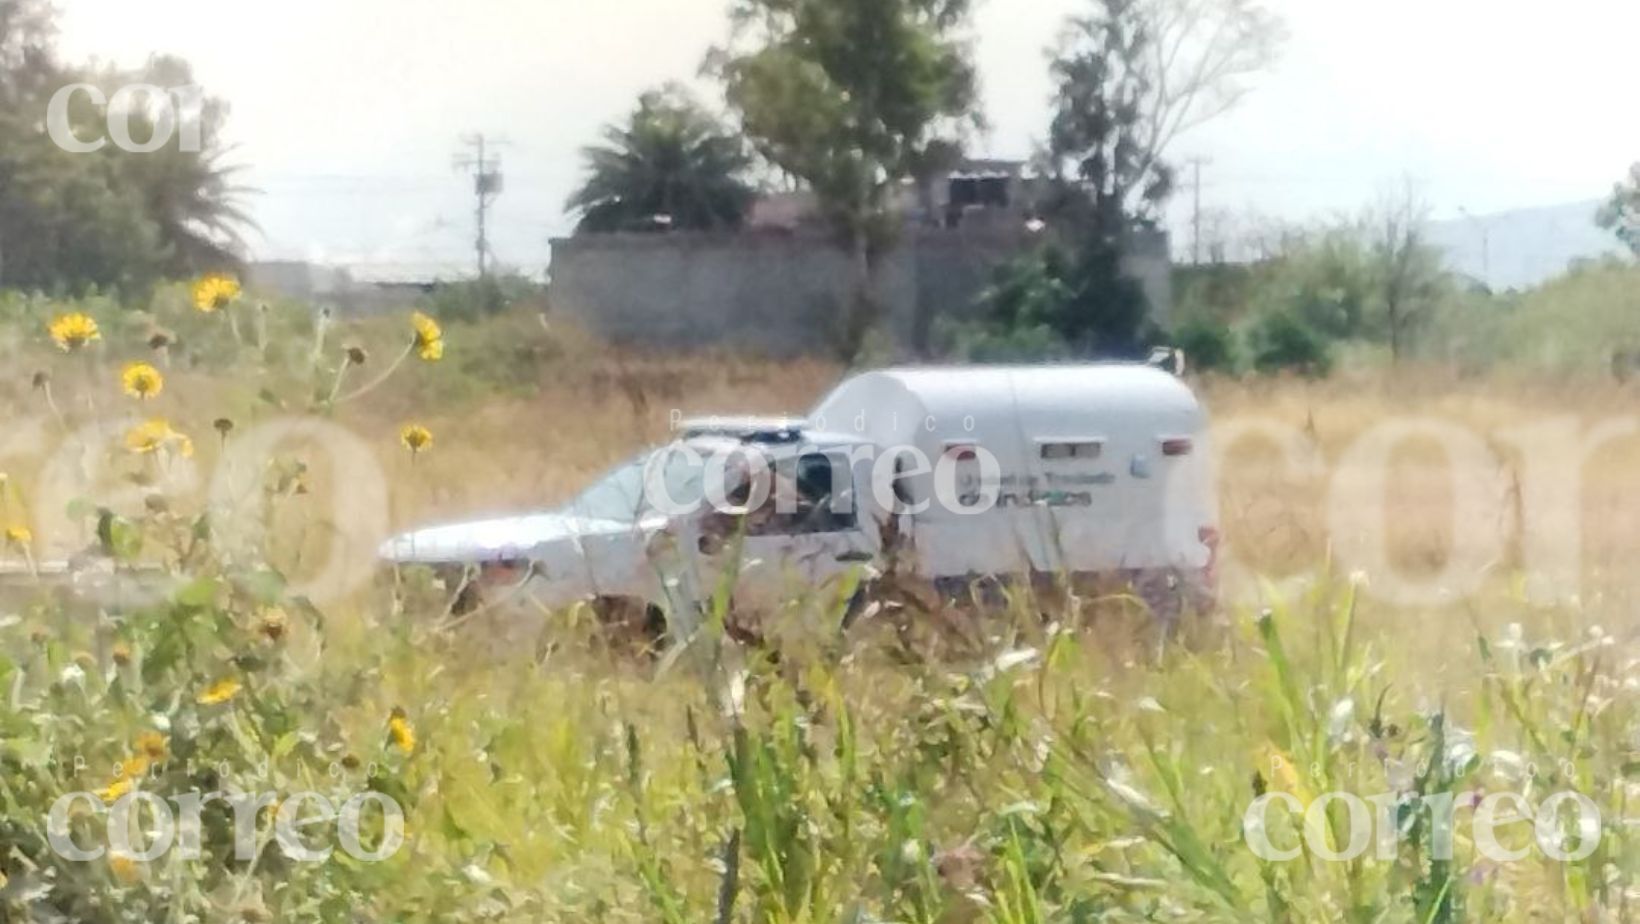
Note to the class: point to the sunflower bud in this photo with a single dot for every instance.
(273, 624)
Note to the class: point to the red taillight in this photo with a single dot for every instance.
(1209, 537)
(1178, 446)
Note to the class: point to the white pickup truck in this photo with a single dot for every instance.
(982, 472)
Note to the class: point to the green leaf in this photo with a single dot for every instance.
(200, 593)
(118, 538)
(79, 508)
(283, 745)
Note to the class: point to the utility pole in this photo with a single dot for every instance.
(1486, 244)
(1196, 217)
(486, 170)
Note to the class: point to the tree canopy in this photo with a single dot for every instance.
(1130, 77)
(1621, 213)
(851, 97)
(108, 219)
(671, 165)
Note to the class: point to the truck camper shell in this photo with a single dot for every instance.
(1099, 468)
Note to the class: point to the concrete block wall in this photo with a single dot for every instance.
(780, 292)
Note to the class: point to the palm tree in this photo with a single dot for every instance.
(671, 167)
(193, 198)
(195, 203)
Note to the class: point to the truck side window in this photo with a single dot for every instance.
(1057, 450)
(810, 487)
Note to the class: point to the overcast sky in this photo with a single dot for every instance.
(347, 113)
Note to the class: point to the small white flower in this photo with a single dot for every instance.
(1012, 659)
(1339, 719)
(1508, 764)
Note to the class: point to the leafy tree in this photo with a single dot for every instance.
(1105, 177)
(1410, 276)
(1054, 302)
(1327, 278)
(1129, 77)
(109, 219)
(193, 198)
(848, 97)
(1132, 76)
(671, 166)
(1621, 214)
(1375, 277)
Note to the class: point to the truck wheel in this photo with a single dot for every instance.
(630, 625)
(1163, 596)
(858, 604)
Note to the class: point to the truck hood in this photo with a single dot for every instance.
(501, 539)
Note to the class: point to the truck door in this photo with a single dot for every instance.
(806, 537)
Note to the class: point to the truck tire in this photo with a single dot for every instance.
(631, 625)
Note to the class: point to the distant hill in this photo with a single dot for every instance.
(1526, 246)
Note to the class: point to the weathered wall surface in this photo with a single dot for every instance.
(779, 292)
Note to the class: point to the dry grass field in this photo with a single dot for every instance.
(523, 452)
(1062, 769)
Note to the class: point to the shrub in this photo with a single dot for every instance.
(1055, 302)
(1281, 342)
(1208, 345)
(475, 299)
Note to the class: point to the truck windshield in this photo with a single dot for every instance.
(619, 495)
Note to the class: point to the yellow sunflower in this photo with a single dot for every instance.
(19, 536)
(152, 745)
(133, 767)
(273, 624)
(113, 791)
(215, 291)
(156, 434)
(429, 337)
(220, 692)
(141, 381)
(415, 437)
(126, 869)
(401, 732)
(73, 330)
